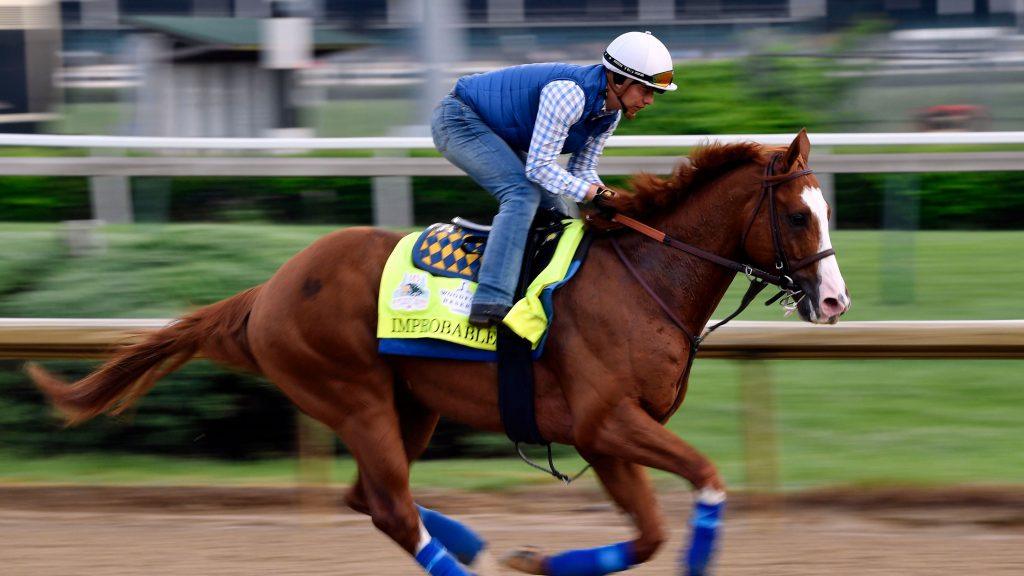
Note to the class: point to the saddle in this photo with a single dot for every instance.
(455, 249)
(417, 306)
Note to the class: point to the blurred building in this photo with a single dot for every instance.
(207, 76)
(29, 45)
(94, 29)
(376, 13)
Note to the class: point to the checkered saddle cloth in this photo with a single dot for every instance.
(454, 251)
(450, 250)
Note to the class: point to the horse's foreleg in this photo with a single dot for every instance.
(628, 432)
(627, 484)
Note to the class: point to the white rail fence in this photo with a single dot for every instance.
(392, 166)
(425, 143)
(95, 338)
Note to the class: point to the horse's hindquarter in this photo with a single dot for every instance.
(313, 326)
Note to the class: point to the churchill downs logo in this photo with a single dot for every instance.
(434, 327)
(411, 293)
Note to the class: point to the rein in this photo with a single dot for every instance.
(758, 278)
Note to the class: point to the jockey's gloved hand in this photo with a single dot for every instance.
(604, 202)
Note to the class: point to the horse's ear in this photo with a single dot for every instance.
(800, 148)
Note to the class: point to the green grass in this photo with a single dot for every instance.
(868, 422)
(945, 275)
(838, 422)
(106, 469)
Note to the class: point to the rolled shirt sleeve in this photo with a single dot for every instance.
(561, 105)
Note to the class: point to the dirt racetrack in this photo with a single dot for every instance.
(49, 531)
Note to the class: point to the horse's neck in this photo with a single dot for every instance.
(692, 287)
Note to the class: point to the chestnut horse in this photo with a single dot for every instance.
(615, 365)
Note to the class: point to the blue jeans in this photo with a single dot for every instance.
(467, 142)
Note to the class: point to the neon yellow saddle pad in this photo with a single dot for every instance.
(425, 314)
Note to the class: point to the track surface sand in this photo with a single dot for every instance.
(274, 531)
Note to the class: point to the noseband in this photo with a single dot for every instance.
(759, 279)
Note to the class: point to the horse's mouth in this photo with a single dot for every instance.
(812, 313)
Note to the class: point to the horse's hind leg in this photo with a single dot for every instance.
(417, 425)
(627, 484)
(374, 437)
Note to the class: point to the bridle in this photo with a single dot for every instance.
(759, 279)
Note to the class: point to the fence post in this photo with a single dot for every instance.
(314, 443)
(111, 196)
(900, 220)
(827, 180)
(760, 441)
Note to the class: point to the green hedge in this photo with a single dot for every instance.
(946, 201)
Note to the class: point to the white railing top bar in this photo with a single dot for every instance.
(71, 338)
(425, 143)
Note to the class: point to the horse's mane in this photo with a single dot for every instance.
(652, 194)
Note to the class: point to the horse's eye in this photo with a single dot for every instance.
(798, 220)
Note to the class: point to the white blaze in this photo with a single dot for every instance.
(830, 280)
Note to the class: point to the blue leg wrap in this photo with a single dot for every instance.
(436, 561)
(706, 519)
(593, 561)
(454, 535)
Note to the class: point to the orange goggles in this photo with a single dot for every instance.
(662, 79)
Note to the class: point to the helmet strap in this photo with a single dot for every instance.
(613, 88)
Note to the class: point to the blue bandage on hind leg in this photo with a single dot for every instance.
(454, 535)
(436, 560)
(705, 522)
(593, 561)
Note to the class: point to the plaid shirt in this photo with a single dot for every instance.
(561, 105)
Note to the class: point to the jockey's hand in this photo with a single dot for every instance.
(602, 204)
(602, 199)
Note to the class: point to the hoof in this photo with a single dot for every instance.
(526, 560)
(485, 565)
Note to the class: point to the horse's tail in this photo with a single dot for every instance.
(217, 330)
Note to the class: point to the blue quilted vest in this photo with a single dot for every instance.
(507, 101)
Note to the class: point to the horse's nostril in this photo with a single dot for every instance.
(831, 305)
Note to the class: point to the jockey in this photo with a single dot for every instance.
(506, 129)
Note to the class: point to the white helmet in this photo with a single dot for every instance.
(642, 57)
